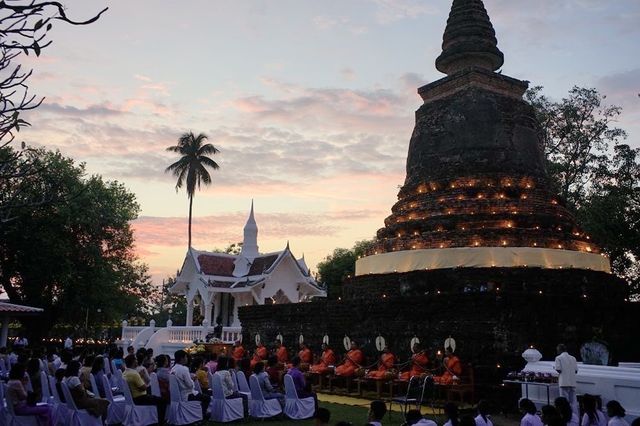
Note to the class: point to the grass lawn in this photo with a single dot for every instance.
(339, 412)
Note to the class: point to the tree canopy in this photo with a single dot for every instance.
(336, 267)
(76, 253)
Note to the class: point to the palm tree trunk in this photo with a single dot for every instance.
(190, 211)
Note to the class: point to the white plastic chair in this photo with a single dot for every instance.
(241, 384)
(222, 409)
(154, 384)
(181, 412)
(117, 411)
(258, 406)
(10, 417)
(137, 415)
(63, 412)
(45, 386)
(78, 417)
(295, 407)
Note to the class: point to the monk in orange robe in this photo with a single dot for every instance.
(259, 355)
(238, 351)
(281, 353)
(419, 361)
(352, 361)
(386, 363)
(305, 354)
(452, 369)
(328, 358)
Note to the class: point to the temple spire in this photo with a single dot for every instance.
(469, 39)
(250, 242)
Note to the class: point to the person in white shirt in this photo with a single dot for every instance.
(616, 414)
(530, 418)
(185, 382)
(68, 343)
(567, 368)
(482, 419)
(414, 418)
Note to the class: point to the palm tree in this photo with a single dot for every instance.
(192, 165)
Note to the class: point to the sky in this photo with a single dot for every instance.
(311, 103)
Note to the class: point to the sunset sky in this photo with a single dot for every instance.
(311, 103)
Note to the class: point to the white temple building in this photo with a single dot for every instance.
(218, 283)
(221, 282)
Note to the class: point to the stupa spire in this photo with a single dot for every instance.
(469, 39)
(250, 242)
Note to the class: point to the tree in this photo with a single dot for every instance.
(339, 265)
(76, 254)
(24, 26)
(577, 133)
(191, 168)
(598, 176)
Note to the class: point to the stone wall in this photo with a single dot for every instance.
(490, 328)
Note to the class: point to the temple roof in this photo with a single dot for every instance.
(13, 309)
(469, 39)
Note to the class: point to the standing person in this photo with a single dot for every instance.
(185, 383)
(17, 395)
(592, 415)
(530, 418)
(616, 414)
(377, 410)
(567, 368)
(483, 419)
(138, 387)
(569, 417)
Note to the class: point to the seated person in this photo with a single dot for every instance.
(163, 372)
(274, 371)
(419, 361)
(302, 388)
(265, 384)
(281, 353)
(185, 383)
(200, 373)
(238, 351)
(16, 394)
(259, 355)
(95, 406)
(327, 359)
(229, 389)
(305, 354)
(138, 387)
(352, 361)
(386, 364)
(452, 369)
(377, 410)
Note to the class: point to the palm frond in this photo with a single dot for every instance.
(209, 162)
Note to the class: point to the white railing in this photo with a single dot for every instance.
(231, 334)
(129, 333)
(185, 334)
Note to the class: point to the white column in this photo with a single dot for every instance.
(237, 299)
(4, 334)
(216, 310)
(207, 312)
(189, 313)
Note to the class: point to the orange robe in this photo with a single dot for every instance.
(419, 363)
(454, 368)
(260, 355)
(237, 353)
(282, 355)
(387, 361)
(306, 356)
(352, 361)
(328, 358)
